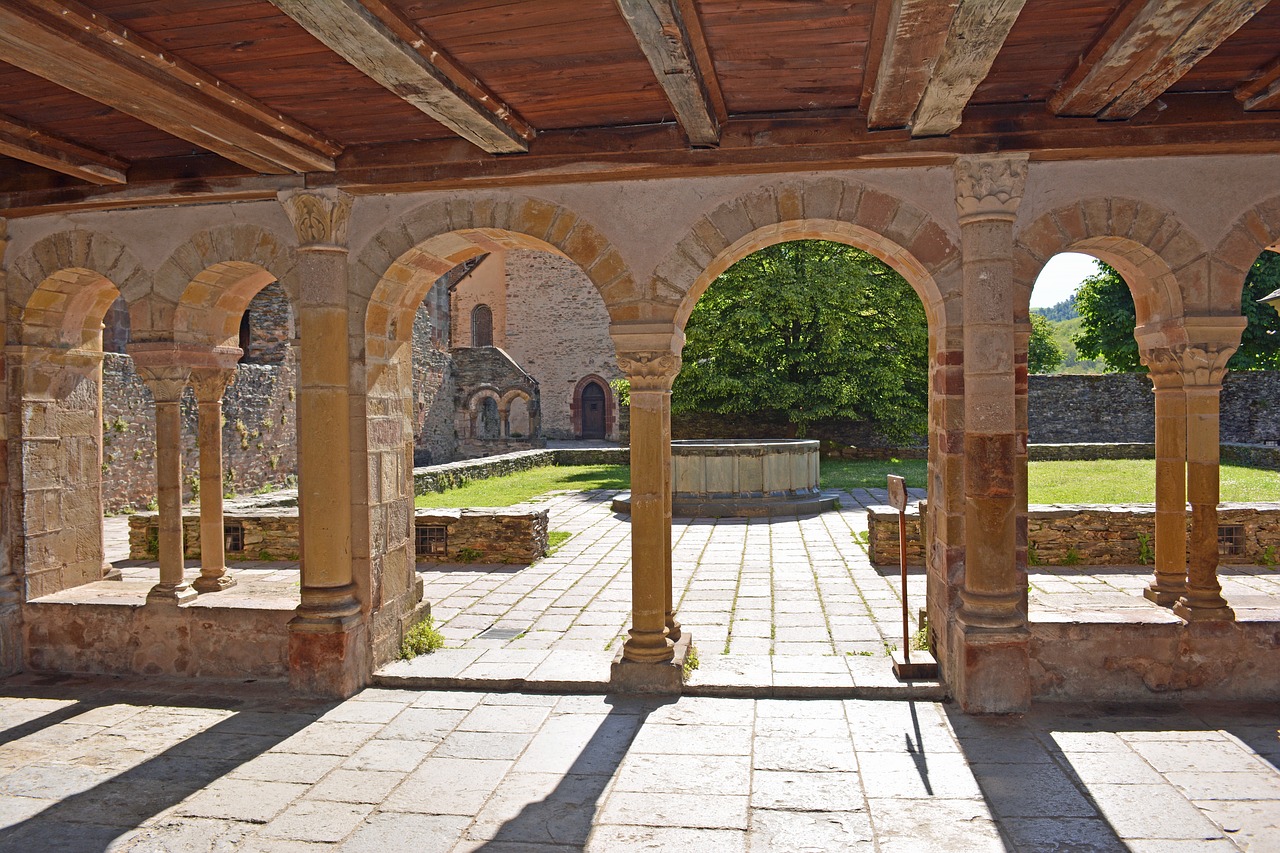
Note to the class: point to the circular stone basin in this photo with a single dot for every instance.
(734, 478)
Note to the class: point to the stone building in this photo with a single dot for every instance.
(355, 154)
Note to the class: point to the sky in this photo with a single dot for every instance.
(1060, 278)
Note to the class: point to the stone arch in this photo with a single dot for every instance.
(208, 282)
(1256, 231)
(1163, 264)
(900, 234)
(576, 408)
(65, 284)
(473, 409)
(505, 410)
(395, 270)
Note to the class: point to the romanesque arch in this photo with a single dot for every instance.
(1256, 231)
(577, 411)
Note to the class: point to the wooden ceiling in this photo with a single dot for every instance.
(126, 102)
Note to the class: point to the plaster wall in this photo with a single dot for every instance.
(486, 285)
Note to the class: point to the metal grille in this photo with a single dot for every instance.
(233, 535)
(431, 540)
(1231, 539)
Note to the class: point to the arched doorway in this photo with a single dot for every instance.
(482, 326)
(593, 397)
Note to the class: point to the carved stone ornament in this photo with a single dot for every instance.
(166, 381)
(1164, 366)
(319, 218)
(210, 383)
(650, 371)
(1205, 364)
(989, 186)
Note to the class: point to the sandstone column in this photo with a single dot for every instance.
(1204, 365)
(329, 651)
(210, 383)
(649, 356)
(1170, 579)
(992, 636)
(163, 369)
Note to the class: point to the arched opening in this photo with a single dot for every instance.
(519, 423)
(592, 406)
(482, 326)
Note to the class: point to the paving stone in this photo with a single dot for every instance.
(1031, 790)
(808, 792)
(1151, 811)
(649, 839)
(814, 755)
(390, 755)
(421, 833)
(809, 832)
(356, 786)
(696, 775)
(1063, 835)
(447, 786)
(540, 808)
(676, 810)
(317, 821)
(956, 826)
(246, 800)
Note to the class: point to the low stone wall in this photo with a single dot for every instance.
(1152, 661)
(188, 641)
(1092, 535)
(271, 533)
(438, 478)
(1089, 451)
(1253, 455)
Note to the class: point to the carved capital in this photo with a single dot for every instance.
(1205, 364)
(319, 217)
(1164, 366)
(989, 186)
(210, 383)
(166, 381)
(649, 371)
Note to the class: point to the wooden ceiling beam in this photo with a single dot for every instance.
(50, 151)
(977, 33)
(79, 49)
(914, 38)
(1263, 91)
(669, 33)
(377, 38)
(1146, 48)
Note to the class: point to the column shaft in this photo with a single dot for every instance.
(172, 586)
(213, 554)
(673, 625)
(1170, 578)
(650, 528)
(1203, 598)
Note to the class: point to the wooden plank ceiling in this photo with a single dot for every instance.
(116, 99)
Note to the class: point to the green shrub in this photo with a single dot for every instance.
(421, 639)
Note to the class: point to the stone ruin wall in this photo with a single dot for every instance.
(259, 433)
(434, 387)
(557, 329)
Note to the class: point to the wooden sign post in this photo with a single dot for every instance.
(925, 666)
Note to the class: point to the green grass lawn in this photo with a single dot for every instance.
(523, 485)
(1102, 481)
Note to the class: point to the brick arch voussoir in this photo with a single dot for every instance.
(1255, 231)
(243, 243)
(903, 235)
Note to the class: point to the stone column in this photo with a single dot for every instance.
(329, 651)
(1170, 579)
(993, 674)
(649, 356)
(1204, 365)
(162, 368)
(209, 384)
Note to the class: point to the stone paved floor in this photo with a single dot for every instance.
(97, 765)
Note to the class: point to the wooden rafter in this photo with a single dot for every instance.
(670, 35)
(1262, 92)
(33, 145)
(81, 50)
(977, 33)
(915, 34)
(1146, 48)
(388, 47)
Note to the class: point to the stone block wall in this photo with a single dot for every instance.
(434, 389)
(1091, 535)
(267, 534)
(271, 326)
(488, 535)
(1119, 407)
(259, 433)
(557, 329)
(438, 478)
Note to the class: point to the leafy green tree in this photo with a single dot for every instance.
(807, 330)
(1043, 353)
(1108, 318)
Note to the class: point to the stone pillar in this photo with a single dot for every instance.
(1204, 365)
(209, 384)
(11, 653)
(992, 636)
(329, 651)
(1170, 579)
(649, 356)
(163, 369)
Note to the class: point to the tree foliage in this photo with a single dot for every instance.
(807, 330)
(1108, 318)
(1043, 353)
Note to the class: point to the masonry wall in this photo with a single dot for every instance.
(1120, 407)
(485, 285)
(259, 433)
(434, 387)
(557, 329)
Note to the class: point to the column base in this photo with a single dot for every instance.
(209, 583)
(654, 677)
(994, 674)
(1165, 596)
(1193, 611)
(168, 593)
(111, 573)
(329, 657)
(647, 647)
(673, 628)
